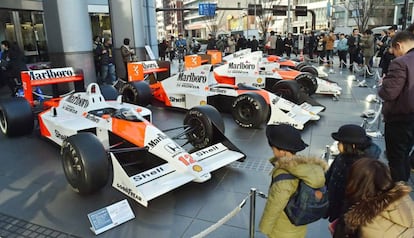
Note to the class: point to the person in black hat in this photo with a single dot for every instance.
(353, 144)
(285, 141)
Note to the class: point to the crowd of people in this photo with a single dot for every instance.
(227, 44)
(367, 197)
(355, 48)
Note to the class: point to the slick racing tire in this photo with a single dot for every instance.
(307, 82)
(85, 163)
(287, 89)
(301, 65)
(138, 93)
(310, 69)
(205, 126)
(16, 117)
(250, 110)
(109, 92)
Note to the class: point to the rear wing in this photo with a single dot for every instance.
(138, 70)
(53, 76)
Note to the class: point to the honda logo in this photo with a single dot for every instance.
(173, 148)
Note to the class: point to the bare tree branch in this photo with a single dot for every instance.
(363, 10)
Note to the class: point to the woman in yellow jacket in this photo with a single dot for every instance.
(285, 142)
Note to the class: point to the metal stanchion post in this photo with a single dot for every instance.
(252, 212)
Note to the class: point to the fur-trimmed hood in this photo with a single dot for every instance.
(310, 169)
(366, 210)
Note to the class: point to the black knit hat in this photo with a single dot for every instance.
(351, 134)
(285, 137)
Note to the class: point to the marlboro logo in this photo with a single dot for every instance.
(51, 73)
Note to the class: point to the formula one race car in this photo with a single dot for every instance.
(283, 62)
(146, 161)
(253, 69)
(250, 107)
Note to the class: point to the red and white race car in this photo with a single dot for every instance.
(96, 134)
(283, 62)
(249, 106)
(253, 69)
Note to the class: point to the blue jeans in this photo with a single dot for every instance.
(108, 73)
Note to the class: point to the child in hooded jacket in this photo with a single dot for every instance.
(285, 142)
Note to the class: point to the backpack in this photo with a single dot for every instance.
(307, 204)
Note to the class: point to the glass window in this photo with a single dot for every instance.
(28, 37)
(7, 31)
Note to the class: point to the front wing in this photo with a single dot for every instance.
(152, 183)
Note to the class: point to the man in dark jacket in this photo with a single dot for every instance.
(255, 44)
(311, 44)
(107, 62)
(211, 42)
(354, 48)
(12, 63)
(397, 91)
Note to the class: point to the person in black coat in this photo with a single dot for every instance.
(354, 48)
(353, 144)
(162, 49)
(12, 63)
(279, 45)
(255, 44)
(288, 43)
(311, 44)
(211, 42)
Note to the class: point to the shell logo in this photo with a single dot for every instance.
(259, 80)
(197, 168)
(203, 102)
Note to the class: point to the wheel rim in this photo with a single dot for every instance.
(198, 130)
(3, 122)
(128, 96)
(73, 166)
(304, 86)
(246, 111)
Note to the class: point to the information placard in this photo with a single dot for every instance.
(110, 216)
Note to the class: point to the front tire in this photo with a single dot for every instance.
(287, 89)
(310, 69)
(16, 117)
(206, 125)
(250, 110)
(138, 93)
(301, 65)
(85, 163)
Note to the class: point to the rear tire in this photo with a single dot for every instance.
(207, 126)
(85, 163)
(287, 89)
(250, 110)
(307, 83)
(16, 117)
(109, 92)
(138, 93)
